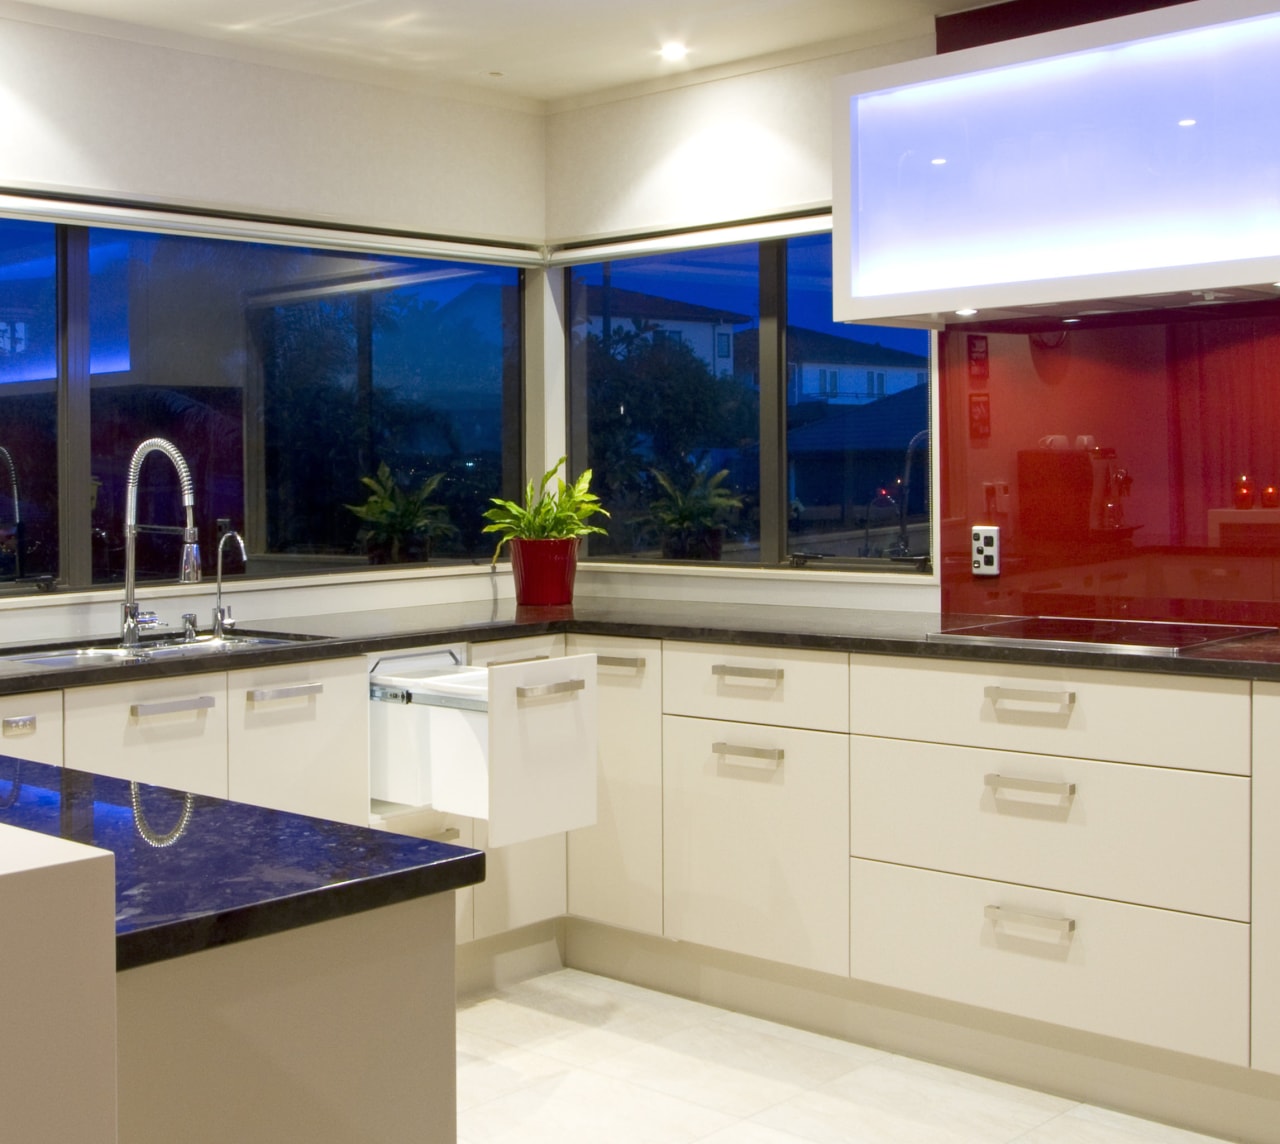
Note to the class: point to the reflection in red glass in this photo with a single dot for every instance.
(1138, 516)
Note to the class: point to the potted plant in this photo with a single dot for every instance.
(543, 532)
(400, 526)
(691, 520)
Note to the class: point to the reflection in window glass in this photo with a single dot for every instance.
(661, 347)
(290, 379)
(28, 401)
(857, 424)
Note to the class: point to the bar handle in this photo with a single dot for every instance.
(171, 706)
(635, 662)
(1062, 700)
(728, 671)
(560, 687)
(288, 691)
(1035, 786)
(18, 725)
(522, 659)
(772, 755)
(1003, 915)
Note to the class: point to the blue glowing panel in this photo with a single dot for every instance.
(1160, 152)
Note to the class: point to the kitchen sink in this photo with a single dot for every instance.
(150, 651)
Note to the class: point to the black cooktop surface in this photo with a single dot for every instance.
(1072, 633)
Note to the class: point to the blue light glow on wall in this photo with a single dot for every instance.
(1162, 152)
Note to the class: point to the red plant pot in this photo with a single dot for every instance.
(544, 570)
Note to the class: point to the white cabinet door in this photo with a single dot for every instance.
(1193, 723)
(31, 727)
(1159, 977)
(756, 840)
(169, 732)
(523, 883)
(492, 653)
(1266, 877)
(615, 867)
(783, 686)
(1149, 835)
(299, 738)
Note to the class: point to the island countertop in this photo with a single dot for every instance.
(194, 872)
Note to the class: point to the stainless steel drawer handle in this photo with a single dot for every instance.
(562, 687)
(171, 706)
(288, 691)
(18, 725)
(765, 754)
(1002, 915)
(1063, 700)
(1035, 786)
(522, 659)
(728, 671)
(635, 662)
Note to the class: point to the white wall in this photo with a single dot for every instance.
(90, 113)
(742, 147)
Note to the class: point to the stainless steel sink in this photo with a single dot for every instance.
(148, 651)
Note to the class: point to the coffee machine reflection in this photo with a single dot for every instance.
(1073, 494)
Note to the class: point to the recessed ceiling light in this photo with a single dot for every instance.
(1066, 320)
(673, 51)
(1186, 122)
(938, 162)
(966, 313)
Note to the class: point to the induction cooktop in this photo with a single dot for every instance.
(1072, 633)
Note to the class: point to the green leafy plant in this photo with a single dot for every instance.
(401, 525)
(691, 519)
(555, 514)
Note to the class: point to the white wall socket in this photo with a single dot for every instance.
(986, 549)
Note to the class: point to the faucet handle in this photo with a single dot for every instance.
(188, 625)
(222, 621)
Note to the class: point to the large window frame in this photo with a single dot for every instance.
(772, 237)
(72, 222)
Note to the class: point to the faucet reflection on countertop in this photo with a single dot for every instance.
(133, 620)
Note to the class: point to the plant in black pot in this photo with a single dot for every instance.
(691, 519)
(543, 532)
(400, 526)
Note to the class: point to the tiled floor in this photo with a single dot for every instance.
(571, 1058)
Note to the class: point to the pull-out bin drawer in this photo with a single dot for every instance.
(512, 744)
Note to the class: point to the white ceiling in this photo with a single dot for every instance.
(538, 50)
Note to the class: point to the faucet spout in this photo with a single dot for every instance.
(132, 620)
(222, 616)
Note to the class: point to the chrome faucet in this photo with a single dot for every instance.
(132, 620)
(7, 458)
(222, 616)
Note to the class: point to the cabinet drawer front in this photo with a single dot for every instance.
(755, 835)
(1150, 835)
(1128, 717)
(757, 685)
(299, 738)
(497, 653)
(1176, 981)
(615, 867)
(170, 732)
(31, 727)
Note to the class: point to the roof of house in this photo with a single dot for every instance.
(888, 423)
(628, 304)
(805, 345)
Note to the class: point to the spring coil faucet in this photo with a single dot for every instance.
(131, 619)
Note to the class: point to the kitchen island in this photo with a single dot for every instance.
(279, 977)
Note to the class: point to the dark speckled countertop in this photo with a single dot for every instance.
(835, 629)
(235, 872)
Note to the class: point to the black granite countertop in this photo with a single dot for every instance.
(234, 872)
(867, 631)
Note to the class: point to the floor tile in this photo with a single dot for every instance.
(488, 1069)
(1085, 1124)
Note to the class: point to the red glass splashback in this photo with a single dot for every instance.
(1133, 469)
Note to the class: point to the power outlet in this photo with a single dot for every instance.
(986, 550)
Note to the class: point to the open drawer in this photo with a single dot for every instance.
(513, 744)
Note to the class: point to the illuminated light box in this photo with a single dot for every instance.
(1133, 156)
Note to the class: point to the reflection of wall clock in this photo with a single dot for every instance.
(1049, 341)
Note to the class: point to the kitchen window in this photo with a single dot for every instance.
(287, 376)
(761, 460)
